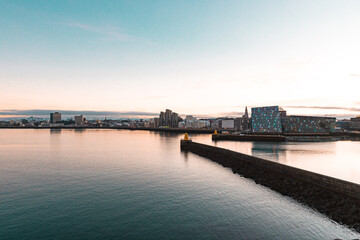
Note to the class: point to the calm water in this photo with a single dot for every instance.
(108, 184)
(337, 159)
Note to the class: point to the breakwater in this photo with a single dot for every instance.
(338, 199)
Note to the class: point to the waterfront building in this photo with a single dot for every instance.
(355, 123)
(246, 122)
(343, 124)
(149, 123)
(267, 119)
(308, 124)
(189, 118)
(202, 124)
(227, 123)
(215, 123)
(79, 119)
(243, 123)
(182, 124)
(246, 114)
(190, 124)
(190, 121)
(55, 117)
(174, 120)
(156, 122)
(168, 117)
(238, 124)
(162, 119)
(4, 123)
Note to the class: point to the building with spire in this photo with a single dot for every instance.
(243, 124)
(246, 121)
(246, 115)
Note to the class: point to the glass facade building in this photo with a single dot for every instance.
(267, 119)
(308, 124)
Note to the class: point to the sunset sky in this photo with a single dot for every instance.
(194, 57)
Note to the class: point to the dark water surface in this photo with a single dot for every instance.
(112, 184)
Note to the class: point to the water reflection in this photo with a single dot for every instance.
(339, 159)
(185, 154)
(167, 134)
(79, 130)
(110, 184)
(55, 138)
(55, 130)
(275, 151)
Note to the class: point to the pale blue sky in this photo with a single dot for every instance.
(205, 57)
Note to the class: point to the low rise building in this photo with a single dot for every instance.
(190, 121)
(79, 120)
(343, 124)
(242, 124)
(182, 124)
(156, 122)
(227, 123)
(355, 124)
(215, 123)
(202, 124)
(308, 124)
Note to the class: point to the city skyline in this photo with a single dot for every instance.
(263, 120)
(200, 58)
(41, 113)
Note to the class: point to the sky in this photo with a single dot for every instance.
(194, 57)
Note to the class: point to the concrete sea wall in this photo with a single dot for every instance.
(338, 199)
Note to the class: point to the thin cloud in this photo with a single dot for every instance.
(354, 75)
(111, 33)
(237, 114)
(40, 112)
(218, 115)
(326, 108)
(154, 97)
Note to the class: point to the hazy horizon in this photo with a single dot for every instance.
(68, 114)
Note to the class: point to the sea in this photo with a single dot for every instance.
(121, 184)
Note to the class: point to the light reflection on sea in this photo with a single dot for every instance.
(337, 159)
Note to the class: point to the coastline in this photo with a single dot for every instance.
(171, 130)
(287, 137)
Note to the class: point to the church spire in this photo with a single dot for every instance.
(246, 115)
